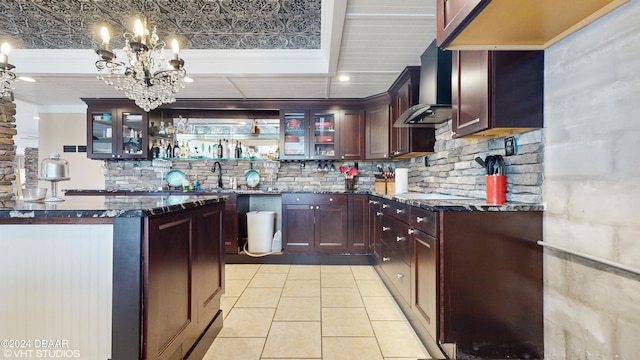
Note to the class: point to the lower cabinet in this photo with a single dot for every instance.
(183, 267)
(358, 224)
(315, 223)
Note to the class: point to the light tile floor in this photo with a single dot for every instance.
(329, 312)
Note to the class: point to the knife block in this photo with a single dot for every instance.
(381, 187)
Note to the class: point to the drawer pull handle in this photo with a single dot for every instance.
(330, 199)
(310, 207)
(411, 231)
(386, 259)
(399, 276)
(378, 213)
(399, 211)
(384, 206)
(400, 238)
(373, 202)
(419, 219)
(297, 199)
(386, 228)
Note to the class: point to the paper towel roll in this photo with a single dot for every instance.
(402, 180)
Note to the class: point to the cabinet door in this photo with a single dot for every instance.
(298, 227)
(325, 138)
(101, 127)
(452, 16)
(470, 90)
(331, 228)
(377, 132)
(352, 139)
(400, 135)
(425, 280)
(208, 255)
(359, 223)
(375, 215)
(294, 138)
(133, 140)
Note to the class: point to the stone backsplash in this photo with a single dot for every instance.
(7, 151)
(450, 170)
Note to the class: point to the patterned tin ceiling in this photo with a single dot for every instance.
(198, 24)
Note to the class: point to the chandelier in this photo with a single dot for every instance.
(148, 79)
(7, 76)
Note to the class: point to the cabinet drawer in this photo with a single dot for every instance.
(398, 272)
(395, 234)
(315, 199)
(424, 220)
(397, 210)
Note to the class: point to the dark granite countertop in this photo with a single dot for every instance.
(108, 206)
(449, 203)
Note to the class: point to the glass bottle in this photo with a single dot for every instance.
(219, 149)
(162, 130)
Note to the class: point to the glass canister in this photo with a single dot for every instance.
(54, 168)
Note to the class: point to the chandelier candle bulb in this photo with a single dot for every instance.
(176, 49)
(4, 56)
(138, 31)
(104, 34)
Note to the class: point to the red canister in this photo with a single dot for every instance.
(496, 189)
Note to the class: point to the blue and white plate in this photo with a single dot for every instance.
(175, 178)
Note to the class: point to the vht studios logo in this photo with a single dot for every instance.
(41, 353)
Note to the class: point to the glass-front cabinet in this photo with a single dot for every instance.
(310, 135)
(116, 132)
(324, 137)
(294, 139)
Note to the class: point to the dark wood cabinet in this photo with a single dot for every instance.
(116, 130)
(408, 141)
(235, 220)
(167, 283)
(511, 25)
(322, 134)
(352, 135)
(497, 92)
(358, 224)
(377, 127)
(491, 284)
(375, 213)
(315, 223)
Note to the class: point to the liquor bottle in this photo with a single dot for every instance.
(161, 153)
(176, 149)
(225, 149)
(219, 149)
(238, 152)
(169, 150)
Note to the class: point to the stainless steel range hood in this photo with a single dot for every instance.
(434, 105)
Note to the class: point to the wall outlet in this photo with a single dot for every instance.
(510, 146)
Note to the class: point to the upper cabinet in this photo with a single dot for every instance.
(513, 25)
(377, 127)
(322, 134)
(116, 131)
(497, 92)
(407, 141)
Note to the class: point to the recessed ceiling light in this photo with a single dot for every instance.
(188, 79)
(344, 78)
(36, 118)
(26, 78)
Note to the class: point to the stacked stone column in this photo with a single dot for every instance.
(7, 152)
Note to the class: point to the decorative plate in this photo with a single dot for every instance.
(253, 178)
(175, 178)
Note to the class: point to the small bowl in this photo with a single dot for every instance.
(37, 194)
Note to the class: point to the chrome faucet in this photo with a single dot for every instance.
(213, 170)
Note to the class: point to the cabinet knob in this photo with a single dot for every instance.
(384, 206)
(317, 207)
(386, 228)
(411, 231)
(330, 199)
(310, 207)
(419, 219)
(378, 213)
(399, 276)
(400, 238)
(399, 211)
(297, 199)
(385, 259)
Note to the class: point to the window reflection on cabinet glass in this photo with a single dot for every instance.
(102, 133)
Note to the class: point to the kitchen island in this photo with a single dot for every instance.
(112, 277)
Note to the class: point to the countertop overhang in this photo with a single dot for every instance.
(108, 206)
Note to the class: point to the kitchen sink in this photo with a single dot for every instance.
(430, 196)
